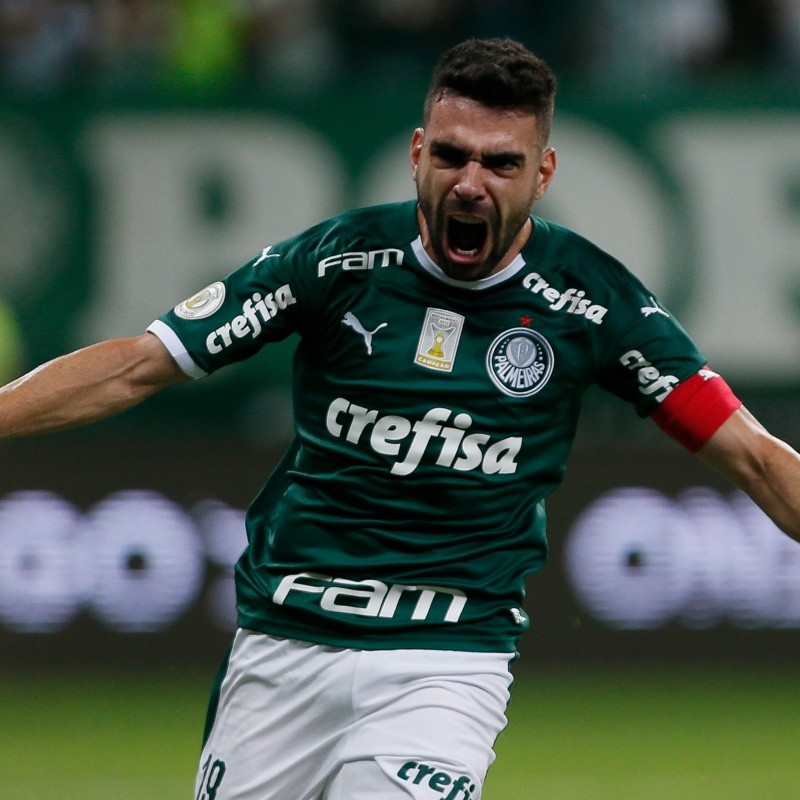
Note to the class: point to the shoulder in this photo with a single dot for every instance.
(572, 250)
(578, 259)
(360, 229)
(345, 247)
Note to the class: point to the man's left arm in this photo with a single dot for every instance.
(760, 464)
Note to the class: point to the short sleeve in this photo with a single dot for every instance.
(648, 353)
(265, 300)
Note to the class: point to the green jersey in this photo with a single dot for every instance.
(433, 416)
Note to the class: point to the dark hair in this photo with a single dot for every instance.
(499, 73)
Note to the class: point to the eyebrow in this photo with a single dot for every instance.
(450, 151)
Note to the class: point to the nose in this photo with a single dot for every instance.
(470, 182)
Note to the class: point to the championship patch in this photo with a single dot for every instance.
(203, 304)
(520, 362)
(438, 340)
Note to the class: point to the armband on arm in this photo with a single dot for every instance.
(693, 411)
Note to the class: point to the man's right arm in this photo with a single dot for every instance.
(87, 385)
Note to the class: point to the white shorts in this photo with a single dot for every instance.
(300, 721)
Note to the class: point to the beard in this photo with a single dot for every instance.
(495, 240)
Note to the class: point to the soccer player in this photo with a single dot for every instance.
(445, 344)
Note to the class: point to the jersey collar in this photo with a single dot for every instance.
(430, 266)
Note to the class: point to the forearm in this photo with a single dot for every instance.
(767, 469)
(89, 384)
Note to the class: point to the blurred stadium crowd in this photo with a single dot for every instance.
(206, 45)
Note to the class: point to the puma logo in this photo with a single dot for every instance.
(265, 253)
(352, 321)
(653, 309)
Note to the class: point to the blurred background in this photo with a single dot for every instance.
(148, 147)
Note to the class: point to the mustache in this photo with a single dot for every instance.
(477, 207)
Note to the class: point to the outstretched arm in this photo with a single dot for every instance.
(760, 464)
(89, 384)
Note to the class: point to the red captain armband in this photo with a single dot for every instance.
(693, 411)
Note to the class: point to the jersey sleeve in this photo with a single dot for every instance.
(265, 300)
(650, 361)
(645, 352)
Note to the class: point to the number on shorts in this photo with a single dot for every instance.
(213, 773)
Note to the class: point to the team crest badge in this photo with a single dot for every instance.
(203, 304)
(520, 362)
(438, 340)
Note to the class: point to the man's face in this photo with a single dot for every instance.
(478, 172)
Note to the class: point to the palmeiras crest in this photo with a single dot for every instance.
(520, 362)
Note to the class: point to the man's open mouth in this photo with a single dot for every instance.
(466, 236)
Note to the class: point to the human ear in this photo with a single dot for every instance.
(416, 149)
(547, 170)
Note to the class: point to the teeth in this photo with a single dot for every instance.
(468, 220)
(472, 252)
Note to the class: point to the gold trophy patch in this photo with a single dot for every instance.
(438, 339)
